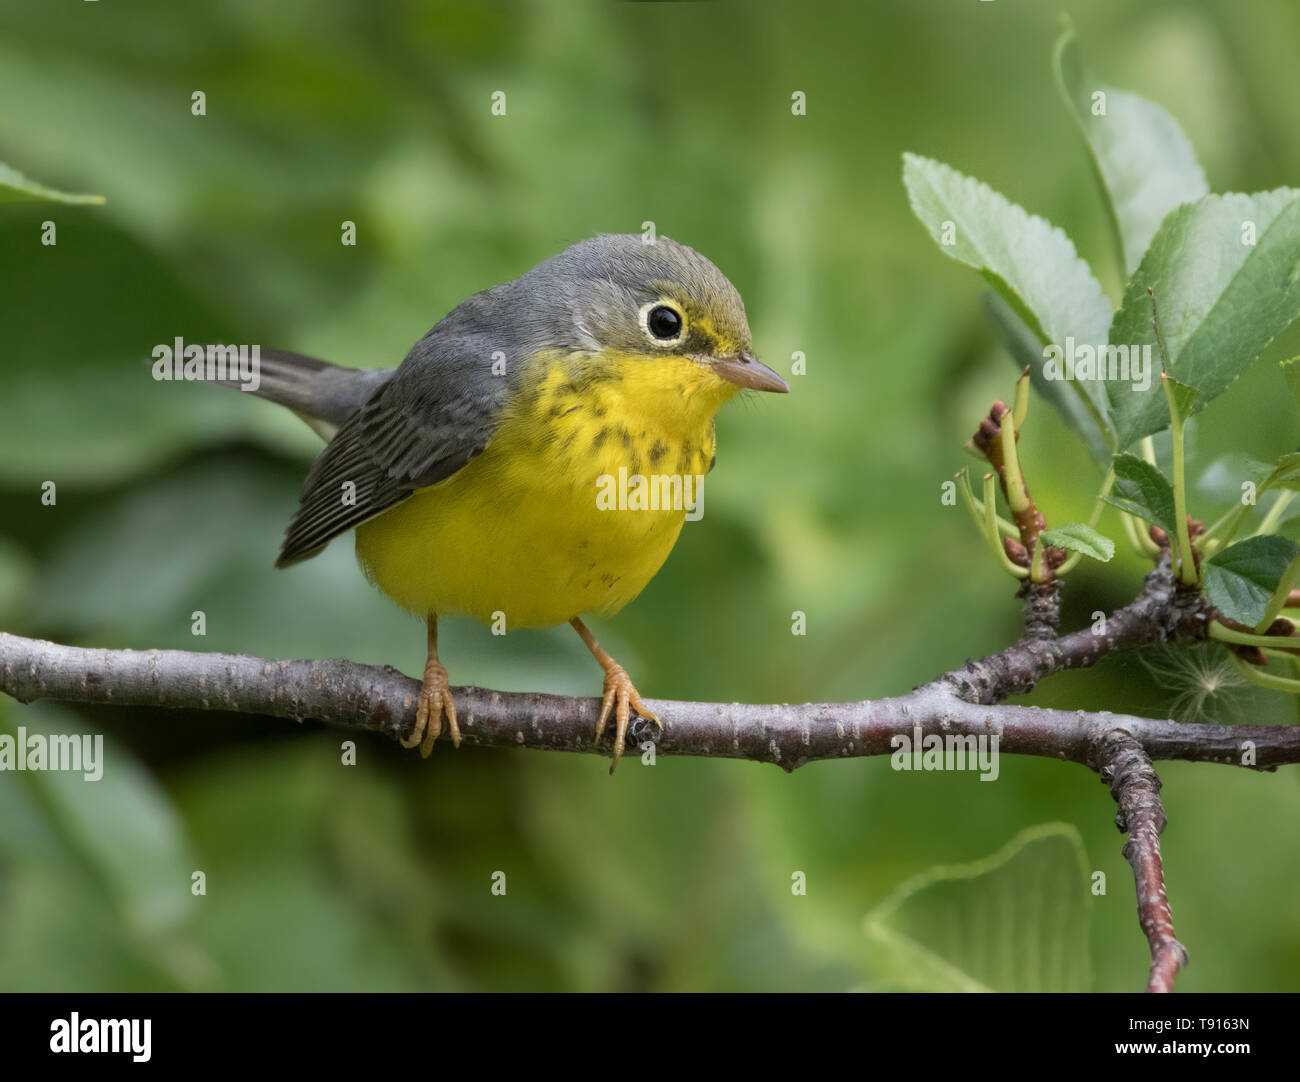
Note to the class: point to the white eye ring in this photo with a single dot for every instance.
(643, 317)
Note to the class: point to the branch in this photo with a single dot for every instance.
(380, 699)
(1136, 789)
(1042, 608)
(1160, 613)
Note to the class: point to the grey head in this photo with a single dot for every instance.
(598, 294)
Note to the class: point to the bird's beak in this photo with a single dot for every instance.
(745, 370)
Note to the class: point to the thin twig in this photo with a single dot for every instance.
(1134, 784)
(1160, 613)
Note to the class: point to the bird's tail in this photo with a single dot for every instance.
(320, 392)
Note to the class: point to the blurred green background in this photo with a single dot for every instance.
(172, 498)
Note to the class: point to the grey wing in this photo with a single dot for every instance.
(436, 414)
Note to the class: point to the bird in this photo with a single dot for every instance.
(507, 469)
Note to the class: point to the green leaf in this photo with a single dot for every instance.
(1142, 490)
(1278, 599)
(1080, 537)
(1184, 398)
(1144, 163)
(16, 188)
(1286, 473)
(113, 823)
(1025, 349)
(1240, 580)
(1032, 264)
(1221, 301)
(1016, 921)
(122, 824)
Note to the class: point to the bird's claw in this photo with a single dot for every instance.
(435, 702)
(621, 697)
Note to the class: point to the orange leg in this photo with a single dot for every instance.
(620, 696)
(435, 701)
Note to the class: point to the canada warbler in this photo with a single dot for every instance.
(482, 474)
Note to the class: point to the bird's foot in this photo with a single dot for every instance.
(621, 697)
(435, 702)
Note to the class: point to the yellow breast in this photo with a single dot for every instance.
(572, 507)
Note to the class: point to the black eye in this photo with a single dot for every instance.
(664, 322)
